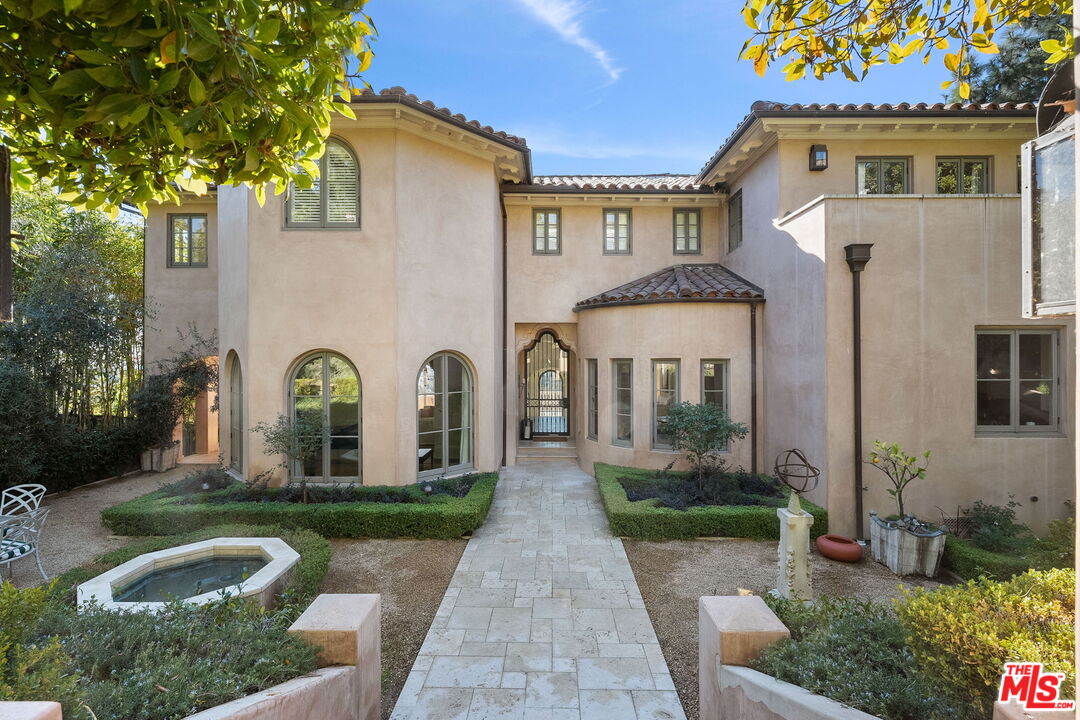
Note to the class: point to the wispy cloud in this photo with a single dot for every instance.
(564, 17)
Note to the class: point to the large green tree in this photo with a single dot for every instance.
(1020, 71)
(821, 37)
(127, 100)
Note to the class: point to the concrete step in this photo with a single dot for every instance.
(557, 451)
(526, 459)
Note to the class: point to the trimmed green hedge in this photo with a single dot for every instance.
(307, 575)
(645, 520)
(443, 517)
(970, 561)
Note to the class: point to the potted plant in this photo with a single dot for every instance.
(907, 545)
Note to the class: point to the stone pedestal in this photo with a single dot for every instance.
(793, 579)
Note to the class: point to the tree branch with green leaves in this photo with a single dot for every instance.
(822, 37)
(113, 101)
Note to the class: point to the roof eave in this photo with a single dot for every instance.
(663, 301)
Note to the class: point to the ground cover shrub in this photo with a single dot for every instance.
(157, 666)
(964, 634)
(349, 511)
(856, 653)
(680, 491)
(647, 519)
(1000, 547)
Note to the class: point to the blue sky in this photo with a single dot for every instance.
(603, 86)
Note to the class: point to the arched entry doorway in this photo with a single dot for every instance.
(547, 386)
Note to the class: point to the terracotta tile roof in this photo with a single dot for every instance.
(679, 283)
(399, 94)
(658, 181)
(768, 108)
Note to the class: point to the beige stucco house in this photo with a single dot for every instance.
(444, 309)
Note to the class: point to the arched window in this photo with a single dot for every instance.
(236, 416)
(444, 416)
(325, 389)
(333, 200)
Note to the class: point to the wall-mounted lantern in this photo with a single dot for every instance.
(819, 157)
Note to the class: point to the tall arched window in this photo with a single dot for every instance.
(444, 415)
(333, 200)
(236, 416)
(326, 390)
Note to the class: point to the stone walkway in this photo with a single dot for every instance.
(543, 619)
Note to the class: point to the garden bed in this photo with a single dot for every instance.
(376, 511)
(160, 665)
(648, 519)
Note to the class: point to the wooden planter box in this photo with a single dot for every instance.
(904, 552)
(160, 459)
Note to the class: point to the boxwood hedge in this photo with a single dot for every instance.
(645, 520)
(969, 561)
(442, 517)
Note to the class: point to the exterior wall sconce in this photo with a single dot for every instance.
(819, 157)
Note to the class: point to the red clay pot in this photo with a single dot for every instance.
(838, 547)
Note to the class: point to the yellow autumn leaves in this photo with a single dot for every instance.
(851, 36)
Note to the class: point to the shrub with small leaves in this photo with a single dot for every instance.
(855, 653)
(33, 666)
(964, 634)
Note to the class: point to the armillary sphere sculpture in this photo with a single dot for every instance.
(795, 471)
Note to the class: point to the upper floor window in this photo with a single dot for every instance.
(963, 175)
(687, 237)
(1016, 380)
(333, 200)
(187, 241)
(546, 231)
(734, 221)
(882, 175)
(616, 232)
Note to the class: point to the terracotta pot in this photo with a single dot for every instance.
(838, 547)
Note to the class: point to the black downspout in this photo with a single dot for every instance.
(857, 255)
(6, 280)
(753, 389)
(502, 205)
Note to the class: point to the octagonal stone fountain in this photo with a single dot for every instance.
(256, 568)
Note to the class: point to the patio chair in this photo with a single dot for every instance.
(20, 499)
(20, 537)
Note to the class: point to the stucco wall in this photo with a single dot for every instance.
(799, 185)
(953, 266)
(178, 297)
(790, 268)
(418, 277)
(689, 332)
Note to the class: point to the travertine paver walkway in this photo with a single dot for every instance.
(543, 618)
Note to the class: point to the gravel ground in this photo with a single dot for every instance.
(673, 575)
(73, 534)
(412, 576)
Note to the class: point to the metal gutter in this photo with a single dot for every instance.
(661, 301)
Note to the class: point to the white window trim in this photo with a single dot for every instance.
(1054, 429)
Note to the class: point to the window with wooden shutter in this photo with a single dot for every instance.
(333, 200)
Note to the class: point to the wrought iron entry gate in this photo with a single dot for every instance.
(547, 386)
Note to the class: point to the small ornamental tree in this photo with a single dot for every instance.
(296, 440)
(702, 431)
(899, 467)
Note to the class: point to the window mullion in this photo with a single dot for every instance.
(324, 190)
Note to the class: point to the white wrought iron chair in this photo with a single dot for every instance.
(21, 498)
(20, 537)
